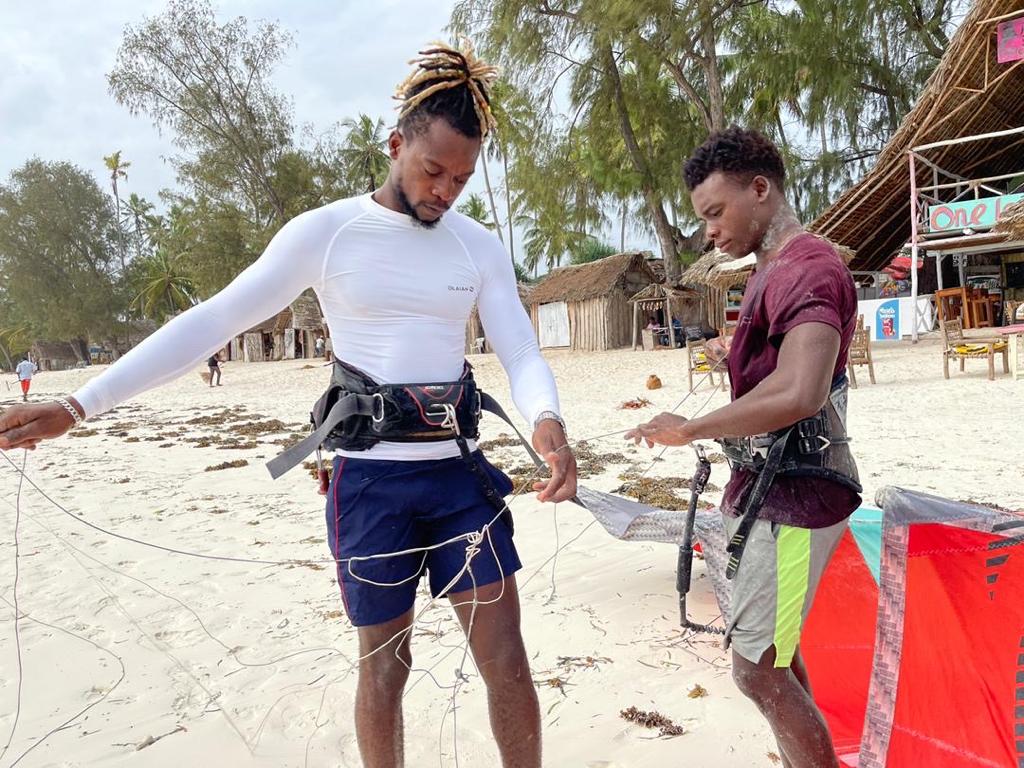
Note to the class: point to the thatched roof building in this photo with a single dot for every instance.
(55, 355)
(289, 334)
(718, 270)
(587, 306)
(969, 94)
(715, 273)
(476, 338)
(668, 302)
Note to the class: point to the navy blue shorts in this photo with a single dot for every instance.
(376, 507)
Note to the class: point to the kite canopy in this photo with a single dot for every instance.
(915, 643)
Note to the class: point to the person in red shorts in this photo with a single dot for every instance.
(794, 482)
(25, 370)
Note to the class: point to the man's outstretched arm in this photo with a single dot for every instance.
(291, 263)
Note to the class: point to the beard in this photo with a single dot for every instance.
(409, 210)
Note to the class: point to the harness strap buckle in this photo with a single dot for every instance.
(378, 408)
(814, 444)
(451, 419)
(815, 426)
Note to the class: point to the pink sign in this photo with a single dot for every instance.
(1011, 40)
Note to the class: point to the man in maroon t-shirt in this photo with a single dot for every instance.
(786, 361)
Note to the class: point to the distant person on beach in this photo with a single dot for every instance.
(214, 365)
(319, 346)
(794, 482)
(397, 272)
(25, 370)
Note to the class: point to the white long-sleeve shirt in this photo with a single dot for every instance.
(395, 295)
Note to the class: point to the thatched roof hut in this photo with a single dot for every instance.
(718, 270)
(968, 94)
(55, 355)
(476, 338)
(715, 273)
(306, 313)
(289, 334)
(1011, 223)
(683, 304)
(587, 306)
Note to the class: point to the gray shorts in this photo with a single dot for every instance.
(773, 590)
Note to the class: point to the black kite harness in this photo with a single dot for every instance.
(356, 413)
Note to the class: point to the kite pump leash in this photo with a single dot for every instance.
(684, 566)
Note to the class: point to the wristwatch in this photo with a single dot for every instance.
(544, 415)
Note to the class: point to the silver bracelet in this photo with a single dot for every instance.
(70, 409)
(544, 415)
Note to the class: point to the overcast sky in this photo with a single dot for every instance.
(55, 55)
(347, 58)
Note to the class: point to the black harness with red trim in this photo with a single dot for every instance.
(356, 413)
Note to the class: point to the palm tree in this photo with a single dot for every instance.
(547, 240)
(490, 149)
(138, 216)
(475, 207)
(117, 171)
(591, 249)
(363, 151)
(517, 122)
(13, 339)
(165, 290)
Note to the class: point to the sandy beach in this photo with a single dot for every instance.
(237, 664)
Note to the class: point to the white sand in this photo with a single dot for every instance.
(609, 601)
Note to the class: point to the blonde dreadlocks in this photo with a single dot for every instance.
(451, 83)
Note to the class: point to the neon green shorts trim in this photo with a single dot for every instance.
(774, 587)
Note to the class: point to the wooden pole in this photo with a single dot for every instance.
(636, 316)
(913, 245)
(967, 139)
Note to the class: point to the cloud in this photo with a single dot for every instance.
(55, 54)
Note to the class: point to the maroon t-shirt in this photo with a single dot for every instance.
(806, 283)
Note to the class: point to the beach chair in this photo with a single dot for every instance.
(698, 363)
(860, 354)
(959, 348)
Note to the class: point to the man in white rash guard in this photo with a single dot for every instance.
(397, 275)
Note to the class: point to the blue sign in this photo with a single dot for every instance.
(887, 321)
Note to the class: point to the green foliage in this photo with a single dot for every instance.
(58, 246)
(522, 276)
(14, 340)
(364, 152)
(138, 219)
(164, 290)
(475, 207)
(648, 79)
(210, 84)
(209, 242)
(591, 249)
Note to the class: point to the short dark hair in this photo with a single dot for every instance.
(738, 152)
(454, 105)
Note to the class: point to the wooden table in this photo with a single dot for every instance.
(1015, 338)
